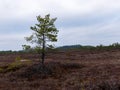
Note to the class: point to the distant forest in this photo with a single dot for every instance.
(68, 47)
(89, 47)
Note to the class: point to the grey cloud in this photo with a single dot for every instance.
(79, 21)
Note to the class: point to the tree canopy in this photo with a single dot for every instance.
(44, 32)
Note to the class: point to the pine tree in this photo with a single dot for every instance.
(44, 32)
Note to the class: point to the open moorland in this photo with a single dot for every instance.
(63, 70)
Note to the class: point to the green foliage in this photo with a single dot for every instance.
(37, 49)
(45, 31)
(17, 64)
(11, 67)
(26, 47)
(18, 58)
(14, 66)
(1, 69)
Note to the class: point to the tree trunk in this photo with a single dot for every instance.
(43, 50)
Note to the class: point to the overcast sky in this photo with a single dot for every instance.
(85, 22)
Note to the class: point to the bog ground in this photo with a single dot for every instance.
(65, 70)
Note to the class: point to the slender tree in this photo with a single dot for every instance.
(44, 32)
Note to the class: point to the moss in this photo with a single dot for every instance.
(11, 67)
(18, 58)
(14, 66)
(1, 70)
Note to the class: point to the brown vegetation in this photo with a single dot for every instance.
(70, 70)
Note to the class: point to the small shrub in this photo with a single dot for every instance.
(14, 66)
(18, 58)
(1, 69)
(71, 65)
(37, 70)
(11, 67)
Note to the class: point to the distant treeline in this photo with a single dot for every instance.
(69, 47)
(11, 52)
(88, 47)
